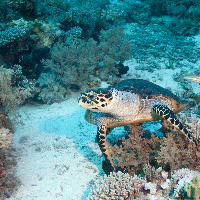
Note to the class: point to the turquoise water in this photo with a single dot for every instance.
(52, 51)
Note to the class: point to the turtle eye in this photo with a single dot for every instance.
(92, 96)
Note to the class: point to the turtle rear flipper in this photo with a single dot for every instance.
(168, 115)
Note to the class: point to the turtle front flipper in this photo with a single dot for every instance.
(168, 115)
(108, 165)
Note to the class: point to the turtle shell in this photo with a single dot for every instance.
(149, 90)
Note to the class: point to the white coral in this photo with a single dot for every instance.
(165, 184)
(116, 186)
(151, 186)
(164, 174)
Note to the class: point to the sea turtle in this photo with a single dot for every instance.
(131, 101)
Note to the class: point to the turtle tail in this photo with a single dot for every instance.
(168, 115)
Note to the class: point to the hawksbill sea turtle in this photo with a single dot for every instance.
(129, 102)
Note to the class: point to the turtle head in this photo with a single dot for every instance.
(96, 100)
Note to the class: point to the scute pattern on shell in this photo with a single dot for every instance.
(145, 89)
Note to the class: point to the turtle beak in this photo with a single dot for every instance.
(83, 102)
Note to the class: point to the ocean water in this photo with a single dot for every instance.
(51, 52)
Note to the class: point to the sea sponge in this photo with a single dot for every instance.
(116, 186)
(5, 137)
(193, 188)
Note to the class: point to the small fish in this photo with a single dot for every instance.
(195, 78)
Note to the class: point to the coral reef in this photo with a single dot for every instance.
(8, 181)
(40, 27)
(81, 45)
(15, 88)
(183, 183)
(116, 186)
(5, 121)
(24, 7)
(168, 165)
(5, 137)
(181, 178)
(185, 14)
(86, 60)
(193, 188)
(177, 152)
(16, 29)
(193, 125)
(171, 152)
(135, 151)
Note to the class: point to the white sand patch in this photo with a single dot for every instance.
(58, 154)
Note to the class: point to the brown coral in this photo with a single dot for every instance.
(5, 137)
(5, 121)
(136, 151)
(193, 125)
(11, 96)
(8, 181)
(171, 152)
(6, 130)
(176, 152)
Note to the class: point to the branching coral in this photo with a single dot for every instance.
(177, 152)
(79, 62)
(155, 157)
(16, 29)
(136, 151)
(10, 93)
(171, 152)
(193, 125)
(116, 186)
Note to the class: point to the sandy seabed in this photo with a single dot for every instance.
(58, 155)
